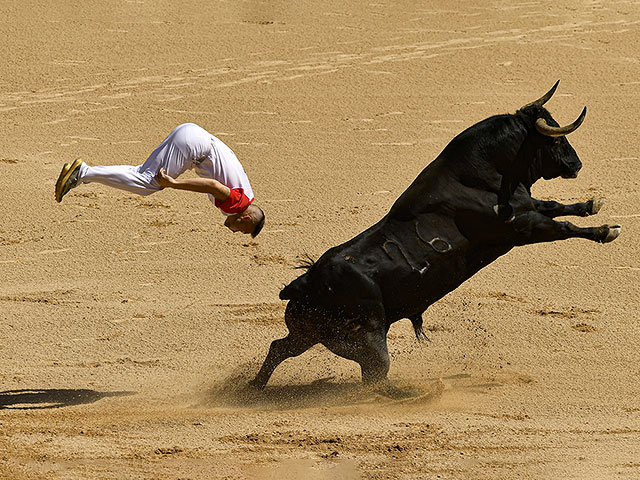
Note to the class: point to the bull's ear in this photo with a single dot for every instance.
(545, 98)
(549, 131)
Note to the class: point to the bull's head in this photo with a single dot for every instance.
(555, 156)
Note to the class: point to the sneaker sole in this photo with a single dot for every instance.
(65, 169)
(60, 189)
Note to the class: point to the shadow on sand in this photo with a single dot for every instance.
(37, 399)
(235, 392)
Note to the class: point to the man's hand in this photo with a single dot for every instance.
(203, 185)
(163, 179)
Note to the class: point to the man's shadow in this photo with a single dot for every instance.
(37, 399)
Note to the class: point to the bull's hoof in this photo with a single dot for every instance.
(596, 205)
(505, 213)
(613, 232)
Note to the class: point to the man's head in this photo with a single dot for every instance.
(250, 221)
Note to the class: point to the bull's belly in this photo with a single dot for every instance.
(411, 292)
(407, 291)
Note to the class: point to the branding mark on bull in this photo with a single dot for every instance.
(404, 256)
(437, 243)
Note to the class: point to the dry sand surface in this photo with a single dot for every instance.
(130, 325)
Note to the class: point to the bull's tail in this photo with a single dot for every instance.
(306, 262)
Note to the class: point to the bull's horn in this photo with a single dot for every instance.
(544, 129)
(545, 98)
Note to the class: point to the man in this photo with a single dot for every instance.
(187, 147)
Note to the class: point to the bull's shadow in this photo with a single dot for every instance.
(236, 392)
(322, 392)
(39, 399)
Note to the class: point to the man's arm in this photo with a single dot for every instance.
(202, 185)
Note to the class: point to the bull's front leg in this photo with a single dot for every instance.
(552, 209)
(534, 227)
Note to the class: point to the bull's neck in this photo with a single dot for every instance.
(502, 142)
(527, 163)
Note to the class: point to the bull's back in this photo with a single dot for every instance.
(335, 274)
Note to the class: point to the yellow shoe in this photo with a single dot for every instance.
(68, 179)
(65, 169)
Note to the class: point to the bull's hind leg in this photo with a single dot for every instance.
(552, 209)
(299, 340)
(533, 227)
(370, 351)
(280, 350)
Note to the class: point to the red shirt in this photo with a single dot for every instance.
(236, 203)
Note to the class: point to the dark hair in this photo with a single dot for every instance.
(260, 224)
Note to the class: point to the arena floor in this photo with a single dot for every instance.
(130, 325)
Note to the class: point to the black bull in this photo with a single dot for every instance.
(469, 206)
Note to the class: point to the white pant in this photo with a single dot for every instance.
(185, 145)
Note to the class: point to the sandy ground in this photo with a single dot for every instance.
(129, 325)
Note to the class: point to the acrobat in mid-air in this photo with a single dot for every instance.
(188, 146)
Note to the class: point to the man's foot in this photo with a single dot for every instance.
(65, 170)
(67, 179)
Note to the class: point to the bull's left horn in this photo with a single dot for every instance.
(545, 129)
(545, 98)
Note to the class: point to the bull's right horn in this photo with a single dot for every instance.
(545, 98)
(549, 131)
